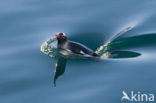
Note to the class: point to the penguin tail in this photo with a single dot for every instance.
(95, 54)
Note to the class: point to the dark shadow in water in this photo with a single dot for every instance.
(92, 34)
(132, 42)
(129, 42)
(121, 54)
(60, 68)
(89, 39)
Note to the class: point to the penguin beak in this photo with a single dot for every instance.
(57, 36)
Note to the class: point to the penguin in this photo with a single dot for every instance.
(74, 47)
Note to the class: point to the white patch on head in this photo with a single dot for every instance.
(62, 34)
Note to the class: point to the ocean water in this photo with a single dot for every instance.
(27, 74)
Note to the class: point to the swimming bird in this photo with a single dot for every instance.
(74, 47)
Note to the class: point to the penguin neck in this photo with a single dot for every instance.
(61, 43)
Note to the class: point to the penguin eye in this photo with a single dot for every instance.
(63, 37)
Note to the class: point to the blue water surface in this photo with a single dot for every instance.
(26, 74)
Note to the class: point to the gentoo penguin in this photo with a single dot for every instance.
(74, 47)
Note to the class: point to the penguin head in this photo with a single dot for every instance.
(61, 37)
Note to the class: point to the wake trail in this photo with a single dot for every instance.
(102, 48)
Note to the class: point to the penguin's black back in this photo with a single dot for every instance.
(79, 48)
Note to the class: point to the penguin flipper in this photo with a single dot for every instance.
(59, 69)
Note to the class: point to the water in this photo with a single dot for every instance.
(26, 74)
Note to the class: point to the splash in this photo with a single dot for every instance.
(123, 31)
(49, 47)
(104, 49)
